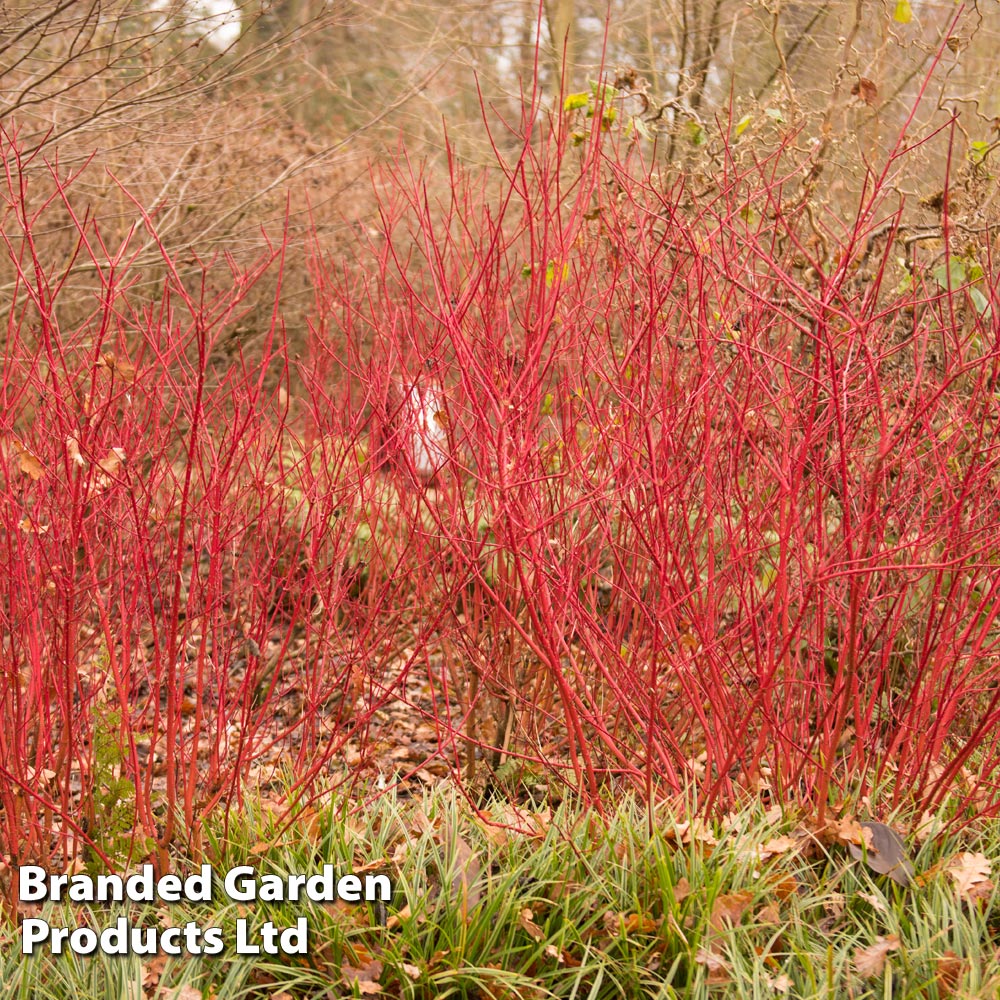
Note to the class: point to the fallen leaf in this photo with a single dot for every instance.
(778, 845)
(395, 919)
(526, 922)
(949, 971)
(884, 852)
(870, 962)
(179, 993)
(696, 830)
(718, 968)
(466, 886)
(729, 909)
(971, 875)
(366, 977)
(780, 984)
(873, 901)
(640, 923)
(847, 831)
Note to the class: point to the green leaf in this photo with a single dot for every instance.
(576, 101)
(643, 129)
(697, 133)
(547, 404)
(953, 275)
(978, 151)
(903, 13)
(980, 302)
(743, 124)
(550, 273)
(775, 115)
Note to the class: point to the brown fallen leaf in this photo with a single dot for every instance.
(846, 831)
(718, 967)
(949, 971)
(179, 993)
(525, 920)
(778, 845)
(870, 962)
(366, 977)
(466, 884)
(641, 923)
(728, 909)
(971, 875)
(780, 984)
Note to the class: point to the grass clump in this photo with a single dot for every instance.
(507, 902)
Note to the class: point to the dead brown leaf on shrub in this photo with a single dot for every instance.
(30, 463)
(870, 962)
(865, 90)
(120, 366)
(112, 463)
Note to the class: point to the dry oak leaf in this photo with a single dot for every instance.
(718, 968)
(366, 977)
(847, 831)
(73, 450)
(780, 984)
(696, 830)
(949, 971)
(729, 908)
(865, 90)
(870, 961)
(122, 366)
(30, 463)
(526, 922)
(778, 845)
(113, 461)
(971, 874)
(179, 993)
